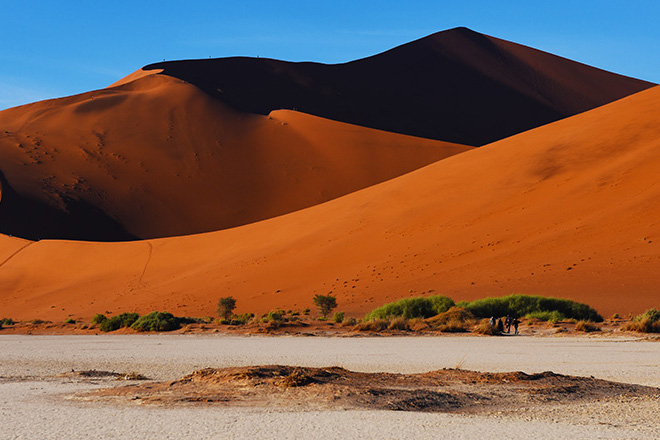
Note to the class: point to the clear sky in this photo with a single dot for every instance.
(57, 48)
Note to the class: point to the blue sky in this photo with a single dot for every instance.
(57, 48)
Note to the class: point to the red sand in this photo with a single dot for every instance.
(157, 157)
(569, 210)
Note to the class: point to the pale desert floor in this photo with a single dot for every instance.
(36, 405)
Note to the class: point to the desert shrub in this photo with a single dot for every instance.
(7, 321)
(99, 318)
(241, 319)
(275, 315)
(156, 322)
(398, 323)
(375, 325)
(409, 308)
(226, 306)
(70, 321)
(418, 325)
(306, 312)
(338, 317)
(39, 321)
(349, 322)
(586, 326)
(652, 314)
(484, 328)
(647, 322)
(454, 320)
(119, 321)
(325, 303)
(553, 316)
(522, 305)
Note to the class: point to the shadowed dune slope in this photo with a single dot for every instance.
(157, 157)
(569, 210)
(456, 85)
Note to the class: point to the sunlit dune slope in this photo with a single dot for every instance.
(157, 157)
(569, 210)
(457, 85)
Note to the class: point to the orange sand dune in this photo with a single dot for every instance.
(157, 157)
(457, 85)
(569, 209)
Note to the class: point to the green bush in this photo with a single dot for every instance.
(99, 318)
(275, 315)
(553, 316)
(338, 317)
(156, 322)
(409, 308)
(7, 321)
(652, 315)
(522, 305)
(119, 321)
(241, 319)
(70, 321)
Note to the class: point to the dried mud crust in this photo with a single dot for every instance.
(448, 390)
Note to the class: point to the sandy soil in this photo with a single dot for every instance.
(35, 404)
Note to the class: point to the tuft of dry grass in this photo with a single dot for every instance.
(484, 328)
(456, 319)
(349, 322)
(399, 323)
(376, 325)
(644, 325)
(586, 326)
(418, 325)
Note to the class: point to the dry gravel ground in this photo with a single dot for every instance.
(36, 404)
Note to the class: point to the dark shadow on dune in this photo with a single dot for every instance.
(457, 86)
(32, 219)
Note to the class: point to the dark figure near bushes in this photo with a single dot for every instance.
(516, 322)
(500, 326)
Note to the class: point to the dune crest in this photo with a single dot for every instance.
(456, 85)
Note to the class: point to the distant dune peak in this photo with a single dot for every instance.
(456, 85)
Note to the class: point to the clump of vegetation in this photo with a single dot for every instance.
(454, 320)
(553, 316)
(586, 326)
(39, 321)
(156, 322)
(484, 328)
(99, 318)
(410, 308)
(647, 322)
(226, 307)
(375, 325)
(119, 321)
(338, 317)
(418, 324)
(70, 321)
(399, 323)
(349, 322)
(241, 319)
(523, 305)
(325, 303)
(7, 321)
